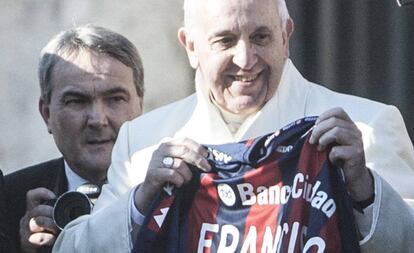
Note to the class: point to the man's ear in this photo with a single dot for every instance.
(188, 43)
(44, 110)
(289, 28)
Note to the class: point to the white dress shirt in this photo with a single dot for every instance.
(74, 180)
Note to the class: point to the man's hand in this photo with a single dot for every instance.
(181, 153)
(37, 227)
(335, 129)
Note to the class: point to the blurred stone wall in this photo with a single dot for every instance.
(331, 45)
(27, 25)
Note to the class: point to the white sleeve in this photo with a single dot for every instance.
(392, 226)
(389, 152)
(137, 217)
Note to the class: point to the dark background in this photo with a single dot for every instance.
(360, 47)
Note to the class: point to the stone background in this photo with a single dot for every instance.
(362, 47)
(27, 25)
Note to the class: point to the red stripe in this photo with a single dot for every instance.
(263, 215)
(166, 202)
(204, 209)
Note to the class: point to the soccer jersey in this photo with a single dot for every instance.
(274, 193)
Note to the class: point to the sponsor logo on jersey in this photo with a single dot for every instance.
(290, 125)
(284, 149)
(279, 194)
(310, 118)
(270, 138)
(219, 156)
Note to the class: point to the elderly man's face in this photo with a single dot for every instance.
(239, 49)
(92, 95)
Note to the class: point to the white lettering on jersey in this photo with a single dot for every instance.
(249, 244)
(203, 242)
(271, 244)
(284, 149)
(230, 236)
(270, 138)
(220, 156)
(280, 194)
(315, 241)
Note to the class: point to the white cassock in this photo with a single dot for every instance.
(387, 225)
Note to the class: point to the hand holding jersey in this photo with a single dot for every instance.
(335, 129)
(183, 152)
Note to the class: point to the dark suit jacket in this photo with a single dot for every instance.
(50, 175)
(5, 240)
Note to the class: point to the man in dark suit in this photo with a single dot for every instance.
(91, 82)
(5, 243)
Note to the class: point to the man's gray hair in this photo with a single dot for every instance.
(94, 39)
(190, 6)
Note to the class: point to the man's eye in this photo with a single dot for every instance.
(226, 41)
(261, 38)
(116, 99)
(74, 101)
(223, 43)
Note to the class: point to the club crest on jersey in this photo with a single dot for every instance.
(220, 156)
(226, 194)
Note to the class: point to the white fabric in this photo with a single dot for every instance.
(137, 217)
(74, 180)
(388, 150)
(233, 121)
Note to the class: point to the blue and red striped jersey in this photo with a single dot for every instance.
(275, 193)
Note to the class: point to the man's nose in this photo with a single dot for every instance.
(97, 116)
(245, 56)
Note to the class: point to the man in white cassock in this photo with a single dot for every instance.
(247, 86)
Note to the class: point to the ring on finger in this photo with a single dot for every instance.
(168, 161)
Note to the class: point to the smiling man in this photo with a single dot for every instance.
(91, 82)
(246, 86)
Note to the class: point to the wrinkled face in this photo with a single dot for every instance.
(239, 49)
(92, 95)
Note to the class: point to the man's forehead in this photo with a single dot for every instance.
(219, 7)
(218, 14)
(90, 65)
(82, 60)
(87, 73)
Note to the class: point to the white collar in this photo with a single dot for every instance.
(74, 180)
(233, 121)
